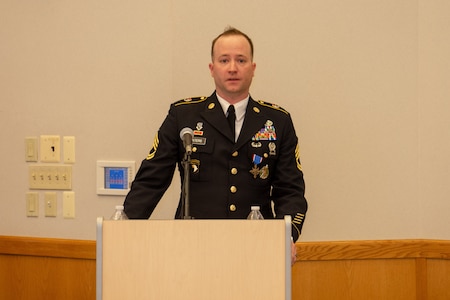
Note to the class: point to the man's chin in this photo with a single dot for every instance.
(234, 89)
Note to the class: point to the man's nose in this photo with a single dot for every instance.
(232, 67)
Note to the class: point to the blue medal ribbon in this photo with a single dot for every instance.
(257, 159)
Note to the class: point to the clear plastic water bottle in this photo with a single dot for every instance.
(119, 214)
(255, 214)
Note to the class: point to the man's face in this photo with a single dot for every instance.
(232, 67)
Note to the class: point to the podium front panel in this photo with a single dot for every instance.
(194, 259)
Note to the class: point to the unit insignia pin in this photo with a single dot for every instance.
(198, 129)
(272, 148)
(195, 164)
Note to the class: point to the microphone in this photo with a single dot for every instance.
(186, 135)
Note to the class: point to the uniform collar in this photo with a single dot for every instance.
(239, 107)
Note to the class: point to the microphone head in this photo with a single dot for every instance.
(186, 130)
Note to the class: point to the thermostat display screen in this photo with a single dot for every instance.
(116, 178)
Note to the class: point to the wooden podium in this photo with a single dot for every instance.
(194, 259)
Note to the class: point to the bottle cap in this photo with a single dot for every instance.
(120, 207)
(255, 207)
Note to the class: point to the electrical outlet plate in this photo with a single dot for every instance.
(50, 148)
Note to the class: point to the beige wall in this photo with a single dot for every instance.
(367, 83)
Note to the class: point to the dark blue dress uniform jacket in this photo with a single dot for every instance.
(227, 178)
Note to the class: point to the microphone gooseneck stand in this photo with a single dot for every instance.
(185, 189)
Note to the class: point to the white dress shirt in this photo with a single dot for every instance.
(240, 108)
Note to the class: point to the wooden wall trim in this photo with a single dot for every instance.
(306, 251)
(378, 249)
(44, 268)
(47, 247)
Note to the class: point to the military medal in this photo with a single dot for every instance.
(256, 161)
(264, 172)
(254, 171)
(272, 148)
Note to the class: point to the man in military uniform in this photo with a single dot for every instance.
(252, 160)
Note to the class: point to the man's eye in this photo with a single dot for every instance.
(223, 61)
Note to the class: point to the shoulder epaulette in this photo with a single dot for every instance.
(273, 106)
(191, 100)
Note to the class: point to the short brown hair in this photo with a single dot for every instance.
(231, 31)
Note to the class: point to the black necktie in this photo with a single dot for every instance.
(232, 120)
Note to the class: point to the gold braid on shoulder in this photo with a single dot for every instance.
(273, 106)
(190, 100)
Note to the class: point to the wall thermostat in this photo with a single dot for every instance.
(115, 177)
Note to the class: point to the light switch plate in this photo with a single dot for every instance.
(32, 204)
(50, 202)
(50, 148)
(69, 205)
(69, 149)
(31, 148)
(50, 177)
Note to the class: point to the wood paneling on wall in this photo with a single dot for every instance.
(39, 268)
(354, 270)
